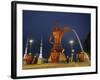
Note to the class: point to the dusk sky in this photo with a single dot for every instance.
(39, 24)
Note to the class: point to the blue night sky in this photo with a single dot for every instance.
(37, 24)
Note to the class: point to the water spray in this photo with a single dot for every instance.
(78, 40)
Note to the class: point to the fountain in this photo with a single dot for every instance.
(83, 57)
(28, 58)
(57, 51)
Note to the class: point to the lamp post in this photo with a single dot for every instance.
(71, 42)
(30, 43)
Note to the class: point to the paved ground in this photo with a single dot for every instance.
(56, 65)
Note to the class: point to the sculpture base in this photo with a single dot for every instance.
(28, 58)
(83, 57)
(56, 57)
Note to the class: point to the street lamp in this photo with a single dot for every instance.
(71, 42)
(30, 43)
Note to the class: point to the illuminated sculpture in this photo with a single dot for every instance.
(57, 51)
